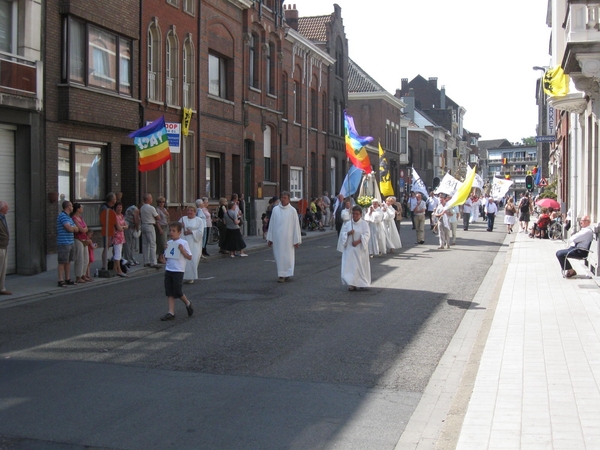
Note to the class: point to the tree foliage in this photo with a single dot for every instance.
(529, 141)
(549, 191)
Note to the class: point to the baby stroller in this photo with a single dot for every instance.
(310, 222)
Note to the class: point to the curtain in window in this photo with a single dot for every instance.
(76, 51)
(6, 26)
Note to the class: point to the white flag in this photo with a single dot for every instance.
(499, 188)
(478, 182)
(417, 183)
(449, 185)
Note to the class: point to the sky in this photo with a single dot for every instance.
(483, 52)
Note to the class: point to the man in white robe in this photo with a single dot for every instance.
(356, 267)
(374, 216)
(284, 236)
(392, 238)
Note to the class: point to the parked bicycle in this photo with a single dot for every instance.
(555, 229)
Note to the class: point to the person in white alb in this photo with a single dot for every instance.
(392, 237)
(374, 216)
(285, 236)
(354, 245)
(443, 224)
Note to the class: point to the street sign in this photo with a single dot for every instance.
(545, 139)
(543, 182)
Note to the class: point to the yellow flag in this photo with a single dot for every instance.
(185, 123)
(556, 83)
(461, 195)
(385, 181)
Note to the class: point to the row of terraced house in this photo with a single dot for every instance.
(268, 90)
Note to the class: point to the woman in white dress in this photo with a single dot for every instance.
(193, 231)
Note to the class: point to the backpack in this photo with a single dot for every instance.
(525, 204)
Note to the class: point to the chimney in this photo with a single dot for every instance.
(291, 16)
(398, 93)
(443, 98)
(404, 84)
(433, 81)
(409, 109)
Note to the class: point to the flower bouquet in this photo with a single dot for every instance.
(364, 201)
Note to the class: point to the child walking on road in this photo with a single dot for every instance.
(177, 251)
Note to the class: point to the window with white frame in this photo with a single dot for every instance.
(267, 153)
(296, 183)
(189, 169)
(172, 67)
(333, 186)
(154, 63)
(213, 175)
(217, 76)
(188, 6)
(188, 74)
(253, 70)
(297, 103)
(174, 2)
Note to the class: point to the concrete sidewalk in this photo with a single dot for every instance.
(29, 288)
(523, 369)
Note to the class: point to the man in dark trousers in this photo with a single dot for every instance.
(4, 237)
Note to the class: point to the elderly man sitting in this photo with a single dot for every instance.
(579, 245)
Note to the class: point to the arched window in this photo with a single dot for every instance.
(154, 63)
(254, 61)
(267, 152)
(188, 74)
(297, 102)
(271, 64)
(172, 66)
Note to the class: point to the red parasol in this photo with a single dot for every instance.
(548, 203)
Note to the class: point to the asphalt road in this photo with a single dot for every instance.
(260, 365)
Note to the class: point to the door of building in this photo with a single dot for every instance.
(7, 188)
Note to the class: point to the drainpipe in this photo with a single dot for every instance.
(308, 75)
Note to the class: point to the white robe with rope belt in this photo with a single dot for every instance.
(284, 232)
(356, 266)
(196, 226)
(391, 232)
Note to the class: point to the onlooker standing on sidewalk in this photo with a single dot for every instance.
(149, 216)
(490, 211)
(202, 205)
(442, 222)
(65, 229)
(111, 199)
(82, 255)
(579, 244)
(132, 218)
(419, 218)
(327, 206)
(4, 238)
(162, 228)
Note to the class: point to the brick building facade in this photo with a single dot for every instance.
(91, 104)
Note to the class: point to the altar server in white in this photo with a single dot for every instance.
(284, 236)
(356, 267)
(374, 216)
(392, 237)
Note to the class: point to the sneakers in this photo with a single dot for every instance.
(168, 316)
(190, 309)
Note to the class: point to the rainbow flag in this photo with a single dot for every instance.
(355, 146)
(152, 144)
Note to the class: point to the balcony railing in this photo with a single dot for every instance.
(582, 24)
(18, 73)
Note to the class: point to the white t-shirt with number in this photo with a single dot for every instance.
(176, 264)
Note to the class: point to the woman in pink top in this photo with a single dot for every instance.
(81, 241)
(119, 239)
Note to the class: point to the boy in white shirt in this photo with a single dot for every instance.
(177, 251)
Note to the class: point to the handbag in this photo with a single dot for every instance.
(137, 233)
